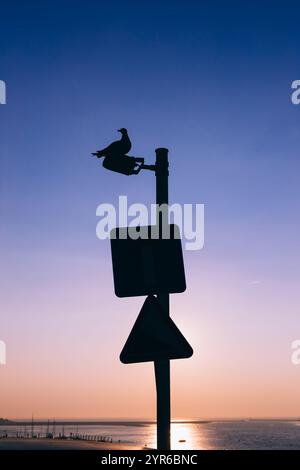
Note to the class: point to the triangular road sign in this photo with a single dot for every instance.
(154, 337)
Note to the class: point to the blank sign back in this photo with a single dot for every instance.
(146, 262)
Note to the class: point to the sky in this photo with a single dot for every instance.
(211, 82)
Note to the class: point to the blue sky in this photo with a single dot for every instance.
(207, 80)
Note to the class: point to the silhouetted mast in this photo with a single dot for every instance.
(32, 427)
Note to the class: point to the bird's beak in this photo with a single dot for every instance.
(119, 130)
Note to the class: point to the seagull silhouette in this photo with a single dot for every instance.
(117, 148)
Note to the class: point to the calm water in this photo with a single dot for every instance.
(212, 435)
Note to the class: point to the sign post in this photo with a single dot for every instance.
(153, 267)
(162, 367)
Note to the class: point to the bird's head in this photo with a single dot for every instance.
(122, 130)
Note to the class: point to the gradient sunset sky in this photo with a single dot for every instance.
(212, 82)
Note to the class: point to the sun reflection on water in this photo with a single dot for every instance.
(184, 436)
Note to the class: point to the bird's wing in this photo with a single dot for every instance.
(117, 148)
(111, 148)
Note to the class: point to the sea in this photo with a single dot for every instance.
(185, 435)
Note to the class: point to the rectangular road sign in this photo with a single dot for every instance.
(145, 263)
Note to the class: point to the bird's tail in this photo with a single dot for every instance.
(98, 154)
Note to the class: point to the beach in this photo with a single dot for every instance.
(60, 444)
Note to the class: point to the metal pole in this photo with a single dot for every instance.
(162, 368)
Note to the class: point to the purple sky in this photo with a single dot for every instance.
(213, 85)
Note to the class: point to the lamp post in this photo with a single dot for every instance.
(161, 366)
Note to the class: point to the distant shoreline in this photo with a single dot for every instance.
(43, 422)
(74, 423)
(89, 423)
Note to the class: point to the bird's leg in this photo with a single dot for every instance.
(136, 170)
(143, 167)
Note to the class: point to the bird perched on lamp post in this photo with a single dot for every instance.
(117, 148)
(116, 158)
